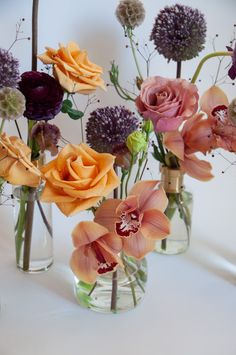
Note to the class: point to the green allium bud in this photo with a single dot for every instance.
(130, 13)
(136, 142)
(232, 112)
(12, 103)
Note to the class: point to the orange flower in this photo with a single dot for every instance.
(72, 68)
(96, 251)
(78, 178)
(178, 143)
(139, 220)
(15, 164)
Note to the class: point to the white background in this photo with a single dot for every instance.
(190, 306)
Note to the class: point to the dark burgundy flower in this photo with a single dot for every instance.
(43, 95)
(232, 69)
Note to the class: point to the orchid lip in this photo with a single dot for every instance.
(220, 112)
(129, 223)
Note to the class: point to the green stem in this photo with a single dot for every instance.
(131, 283)
(124, 173)
(20, 227)
(92, 289)
(114, 292)
(129, 175)
(130, 34)
(2, 125)
(160, 145)
(207, 57)
(140, 163)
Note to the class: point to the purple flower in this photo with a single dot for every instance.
(47, 136)
(232, 70)
(179, 32)
(9, 69)
(43, 95)
(108, 128)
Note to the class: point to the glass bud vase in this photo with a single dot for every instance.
(179, 212)
(33, 230)
(117, 291)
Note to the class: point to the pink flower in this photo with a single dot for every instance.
(138, 220)
(96, 251)
(167, 102)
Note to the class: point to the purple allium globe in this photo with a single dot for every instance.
(130, 13)
(9, 69)
(46, 136)
(43, 95)
(109, 127)
(179, 32)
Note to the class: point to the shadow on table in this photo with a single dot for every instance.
(216, 259)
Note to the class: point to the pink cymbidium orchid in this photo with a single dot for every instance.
(96, 251)
(177, 143)
(139, 220)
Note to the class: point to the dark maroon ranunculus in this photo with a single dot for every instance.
(43, 95)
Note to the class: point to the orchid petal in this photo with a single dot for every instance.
(155, 225)
(106, 214)
(87, 232)
(84, 264)
(138, 246)
(174, 142)
(212, 98)
(196, 168)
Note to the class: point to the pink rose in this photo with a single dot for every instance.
(167, 102)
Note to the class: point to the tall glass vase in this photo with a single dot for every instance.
(117, 291)
(33, 230)
(179, 211)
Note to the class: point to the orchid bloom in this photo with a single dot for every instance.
(96, 251)
(138, 220)
(177, 143)
(214, 103)
(232, 69)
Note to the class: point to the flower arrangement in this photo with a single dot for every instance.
(183, 122)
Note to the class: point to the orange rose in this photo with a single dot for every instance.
(78, 178)
(15, 164)
(72, 68)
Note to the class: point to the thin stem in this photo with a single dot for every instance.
(18, 129)
(20, 228)
(114, 275)
(178, 70)
(124, 173)
(144, 167)
(130, 34)
(209, 56)
(131, 283)
(2, 125)
(28, 229)
(49, 228)
(81, 120)
(35, 34)
(92, 289)
(129, 174)
(160, 144)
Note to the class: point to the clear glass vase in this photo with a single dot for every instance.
(33, 230)
(179, 212)
(117, 291)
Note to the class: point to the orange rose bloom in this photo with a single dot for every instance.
(78, 178)
(73, 69)
(15, 164)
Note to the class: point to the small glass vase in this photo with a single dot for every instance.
(115, 292)
(33, 230)
(179, 212)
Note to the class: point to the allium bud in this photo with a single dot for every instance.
(148, 126)
(136, 142)
(12, 103)
(232, 112)
(130, 13)
(179, 32)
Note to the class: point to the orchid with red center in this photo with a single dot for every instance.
(139, 220)
(96, 251)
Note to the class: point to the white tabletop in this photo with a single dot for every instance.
(189, 308)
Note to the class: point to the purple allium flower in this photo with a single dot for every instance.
(232, 69)
(130, 13)
(9, 69)
(47, 136)
(179, 32)
(43, 95)
(12, 103)
(109, 127)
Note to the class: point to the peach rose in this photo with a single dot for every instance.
(73, 69)
(167, 102)
(78, 178)
(15, 164)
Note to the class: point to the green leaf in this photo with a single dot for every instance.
(66, 105)
(85, 287)
(157, 155)
(84, 299)
(75, 114)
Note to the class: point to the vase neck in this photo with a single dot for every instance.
(172, 180)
